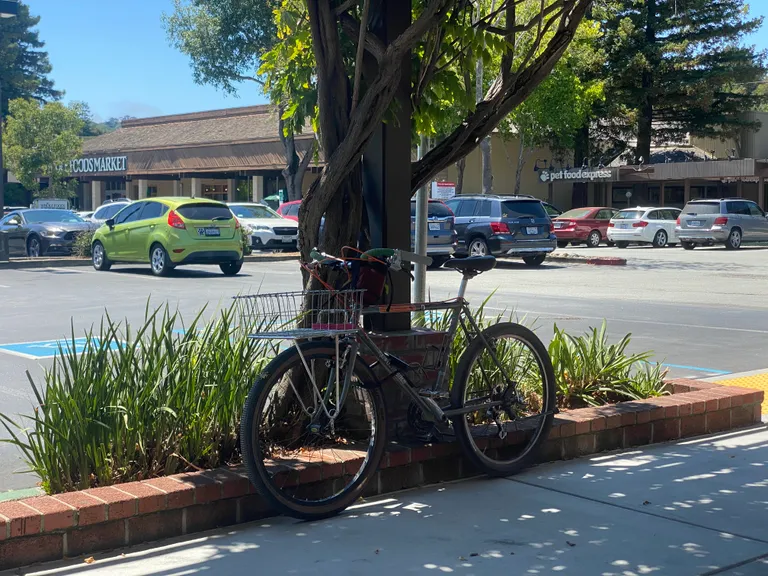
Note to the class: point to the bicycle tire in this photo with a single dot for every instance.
(458, 400)
(251, 450)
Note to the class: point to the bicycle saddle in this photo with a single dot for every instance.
(472, 265)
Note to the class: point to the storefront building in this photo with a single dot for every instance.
(229, 155)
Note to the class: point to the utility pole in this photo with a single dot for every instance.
(420, 242)
(8, 9)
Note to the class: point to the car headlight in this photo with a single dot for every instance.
(262, 228)
(52, 233)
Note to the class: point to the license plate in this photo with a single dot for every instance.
(559, 224)
(286, 240)
(694, 223)
(624, 225)
(532, 230)
(435, 226)
(208, 232)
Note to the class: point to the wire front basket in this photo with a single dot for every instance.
(304, 314)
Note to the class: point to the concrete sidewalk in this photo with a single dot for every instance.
(690, 508)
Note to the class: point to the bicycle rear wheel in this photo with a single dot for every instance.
(511, 409)
(305, 467)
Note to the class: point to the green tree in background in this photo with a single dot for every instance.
(24, 68)
(674, 67)
(41, 139)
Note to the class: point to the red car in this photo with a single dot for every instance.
(587, 225)
(290, 210)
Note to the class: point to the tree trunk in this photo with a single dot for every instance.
(460, 166)
(581, 148)
(294, 170)
(520, 164)
(485, 143)
(645, 114)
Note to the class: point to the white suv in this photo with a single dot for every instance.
(655, 226)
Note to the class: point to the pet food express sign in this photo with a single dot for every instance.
(579, 175)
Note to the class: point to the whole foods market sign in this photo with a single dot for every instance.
(579, 174)
(103, 164)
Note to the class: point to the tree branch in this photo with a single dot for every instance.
(359, 55)
(373, 45)
(345, 6)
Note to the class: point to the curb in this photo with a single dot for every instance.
(51, 528)
(72, 262)
(595, 261)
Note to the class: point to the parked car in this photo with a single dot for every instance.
(552, 211)
(85, 215)
(583, 225)
(290, 210)
(268, 230)
(109, 210)
(729, 221)
(9, 209)
(441, 234)
(515, 226)
(168, 232)
(35, 233)
(643, 225)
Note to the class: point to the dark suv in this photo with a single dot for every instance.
(515, 226)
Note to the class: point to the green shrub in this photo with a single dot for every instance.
(591, 372)
(138, 404)
(82, 244)
(245, 237)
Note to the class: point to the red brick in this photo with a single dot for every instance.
(718, 421)
(89, 509)
(758, 397)
(628, 418)
(644, 417)
(756, 412)
(741, 416)
(694, 425)
(233, 485)
(149, 499)
(206, 489)
(550, 450)
(613, 421)
(698, 407)
(119, 504)
(420, 453)
(739, 400)
(712, 405)
(311, 473)
(443, 449)
(672, 411)
(3, 528)
(334, 470)
(598, 424)
(724, 403)
(554, 432)
(686, 408)
(24, 521)
(252, 508)
(212, 515)
(580, 445)
(666, 430)
(609, 439)
(567, 429)
(157, 526)
(105, 536)
(397, 457)
(56, 515)
(657, 413)
(178, 495)
(18, 552)
(638, 434)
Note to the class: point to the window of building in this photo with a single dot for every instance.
(151, 191)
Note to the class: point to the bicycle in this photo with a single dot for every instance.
(314, 426)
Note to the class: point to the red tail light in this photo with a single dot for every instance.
(721, 221)
(551, 227)
(641, 224)
(499, 228)
(678, 221)
(175, 221)
(611, 224)
(237, 224)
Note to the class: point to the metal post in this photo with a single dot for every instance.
(420, 242)
(761, 192)
(2, 168)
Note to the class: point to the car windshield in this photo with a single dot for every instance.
(523, 209)
(44, 216)
(436, 210)
(205, 211)
(254, 212)
(629, 215)
(702, 208)
(576, 213)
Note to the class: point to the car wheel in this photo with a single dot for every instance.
(660, 240)
(159, 261)
(734, 240)
(562, 244)
(478, 247)
(594, 239)
(622, 244)
(34, 247)
(99, 257)
(231, 268)
(610, 244)
(537, 260)
(688, 245)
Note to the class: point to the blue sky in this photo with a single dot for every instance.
(114, 55)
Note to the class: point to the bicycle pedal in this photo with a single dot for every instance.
(433, 394)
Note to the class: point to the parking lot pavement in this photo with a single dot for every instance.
(702, 315)
(692, 508)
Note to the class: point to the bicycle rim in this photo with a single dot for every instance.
(307, 464)
(513, 398)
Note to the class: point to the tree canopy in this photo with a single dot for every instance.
(40, 140)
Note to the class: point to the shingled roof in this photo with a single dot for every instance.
(230, 126)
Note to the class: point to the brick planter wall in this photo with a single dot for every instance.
(81, 523)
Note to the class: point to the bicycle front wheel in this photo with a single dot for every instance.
(505, 385)
(303, 462)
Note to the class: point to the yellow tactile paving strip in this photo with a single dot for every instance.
(755, 382)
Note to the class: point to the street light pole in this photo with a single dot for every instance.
(8, 9)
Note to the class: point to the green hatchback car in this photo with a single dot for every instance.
(170, 231)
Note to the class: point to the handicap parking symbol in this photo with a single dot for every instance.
(50, 348)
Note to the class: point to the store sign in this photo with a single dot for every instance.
(580, 174)
(443, 190)
(104, 164)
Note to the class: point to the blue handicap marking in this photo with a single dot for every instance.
(50, 348)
